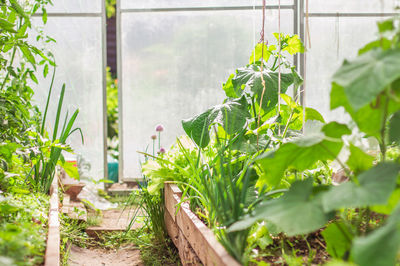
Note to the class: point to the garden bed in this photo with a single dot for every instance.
(52, 255)
(195, 241)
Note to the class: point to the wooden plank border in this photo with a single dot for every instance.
(52, 255)
(195, 241)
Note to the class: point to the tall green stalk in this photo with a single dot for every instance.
(44, 169)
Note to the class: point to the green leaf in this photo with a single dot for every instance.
(381, 246)
(27, 54)
(259, 236)
(45, 70)
(338, 239)
(33, 77)
(294, 45)
(22, 31)
(375, 187)
(301, 154)
(295, 112)
(228, 87)
(289, 101)
(298, 80)
(232, 115)
(388, 208)
(70, 168)
(368, 119)
(386, 25)
(312, 114)
(258, 51)
(383, 43)
(7, 150)
(7, 26)
(359, 161)
(368, 75)
(20, 11)
(298, 211)
(248, 80)
(44, 15)
(394, 128)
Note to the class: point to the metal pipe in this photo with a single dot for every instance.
(104, 91)
(120, 98)
(302, 56)
(355, 15)
(218, 8)
(69, 14)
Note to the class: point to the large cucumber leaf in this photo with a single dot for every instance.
(301, 201)
(232, 115)
(369, 117)
(338, 239)
(381, 246)
(375, 187)
(248, 80)
(359, 161)
(394, 128)
(368, 75)
(322, 145)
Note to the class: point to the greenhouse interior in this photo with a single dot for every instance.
(200, 132)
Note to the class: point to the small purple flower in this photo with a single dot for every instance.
(153, 137)
(161, 151)
(159, 128)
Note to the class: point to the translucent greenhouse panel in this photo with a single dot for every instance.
(78, 54)
(332, 41)
(75, 6)
(173, 67)
(126, 4)
(361, 6)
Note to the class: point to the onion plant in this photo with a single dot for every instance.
(43, 171)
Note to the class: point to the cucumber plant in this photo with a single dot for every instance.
(364, 213)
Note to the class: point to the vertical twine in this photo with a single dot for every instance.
(254, 30)
(262, 68)
(279, 63)
(307, 41)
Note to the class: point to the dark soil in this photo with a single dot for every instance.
(311, 249)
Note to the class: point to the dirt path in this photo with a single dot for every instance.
(112, 220)
(127, 256)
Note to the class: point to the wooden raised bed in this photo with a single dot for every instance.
(52, 255)
(195, 241)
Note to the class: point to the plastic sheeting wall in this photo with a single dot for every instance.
(79, 58)
(335, 38)
(173, 64)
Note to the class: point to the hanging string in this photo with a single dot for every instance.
(279, 63)
(254, 30)
(262, 40)
(337, 35)
(307, 41)
(308, 26)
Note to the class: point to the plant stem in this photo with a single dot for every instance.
(273, 66)
(254, 107)
(368, 218)
(287, 124)
(159, 140)
(274, 69)
(12, 58)
(348, 173)
(154, 144)
(8, 72)
(382, 144)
